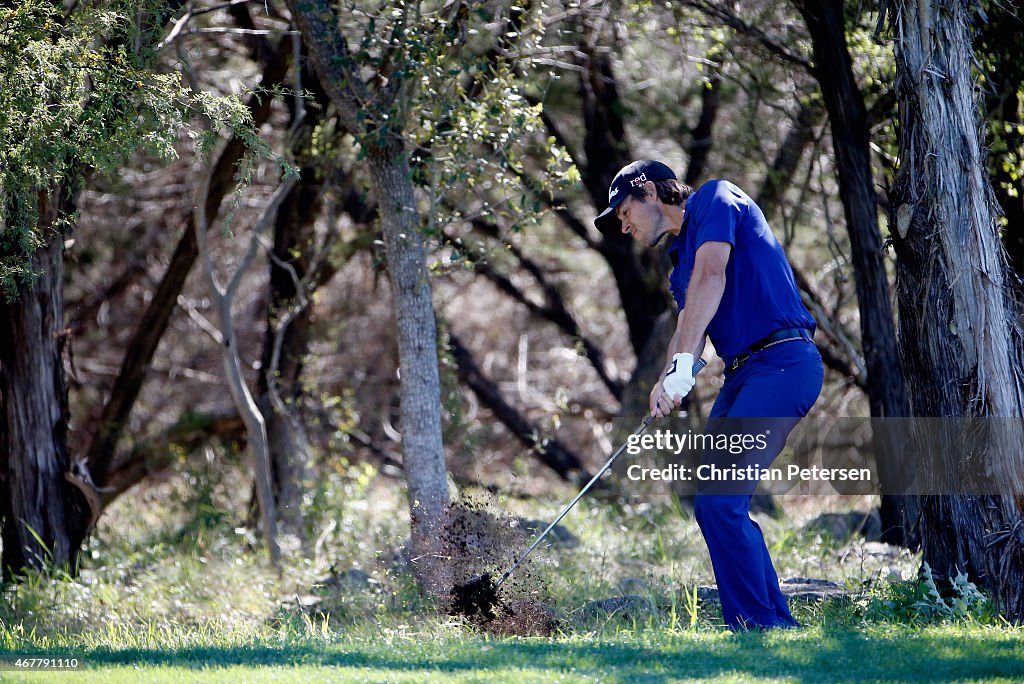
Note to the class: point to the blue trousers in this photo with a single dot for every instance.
(766, 396)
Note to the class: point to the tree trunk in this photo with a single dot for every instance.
(607, 150)
(406, 252)
(288, 316)
(223, 297)
(293, 240)
(959, 339)
(699, 147)
(45, 516)
(787, 158)
(848, 118)
(422, 449)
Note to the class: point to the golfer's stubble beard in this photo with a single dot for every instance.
(657, 239)
(658, 232)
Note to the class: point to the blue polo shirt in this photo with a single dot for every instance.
(760, 295)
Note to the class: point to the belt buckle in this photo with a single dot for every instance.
(738, 361)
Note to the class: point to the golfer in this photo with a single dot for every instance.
(732, 284)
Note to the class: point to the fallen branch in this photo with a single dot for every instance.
(551, 452)
(155, 455)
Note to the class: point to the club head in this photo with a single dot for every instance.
(476, 598)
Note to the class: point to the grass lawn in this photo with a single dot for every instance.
(878, 653)
(174, 590)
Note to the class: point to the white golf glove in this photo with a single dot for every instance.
(679, 379)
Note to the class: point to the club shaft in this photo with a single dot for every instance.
(608, 464)
(700, 363)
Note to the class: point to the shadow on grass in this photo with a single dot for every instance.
(852, 656)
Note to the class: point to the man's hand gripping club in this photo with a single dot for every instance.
(677, 383)
(704, 294)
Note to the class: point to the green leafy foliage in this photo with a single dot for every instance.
(922, 602)
(452, 86)
(71, 99)
(79, 93)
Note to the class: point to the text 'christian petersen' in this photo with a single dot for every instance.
(709, 472)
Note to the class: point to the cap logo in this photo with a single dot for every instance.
(642, 178)
(613, 193)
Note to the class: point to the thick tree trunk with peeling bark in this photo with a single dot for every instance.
(45, 516)
(960, 343)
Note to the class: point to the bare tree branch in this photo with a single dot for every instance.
(148, 333)
(338, 74)
(554, 310)
(773, 44)
(255, 424)
(551, 452)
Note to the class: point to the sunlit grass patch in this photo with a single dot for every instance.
(187, 593)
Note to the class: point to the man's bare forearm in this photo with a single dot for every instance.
(673, 344)
(703, 297)
(674, 347)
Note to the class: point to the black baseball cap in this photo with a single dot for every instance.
(630, 176)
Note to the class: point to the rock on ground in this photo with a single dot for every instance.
(635, 605)
(843, 526)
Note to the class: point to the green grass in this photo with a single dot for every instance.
(447, 653)
(173, 589)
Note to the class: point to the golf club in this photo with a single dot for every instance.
(479, 593)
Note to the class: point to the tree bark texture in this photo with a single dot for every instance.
(422, 449)
(406, 253)
(850, 137)
(959, 339)
(36, 495)
(887, 396)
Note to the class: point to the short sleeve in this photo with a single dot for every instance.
(679, 278)
(678, 289)
(718, 213)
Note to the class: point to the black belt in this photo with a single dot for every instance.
(777, 337)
